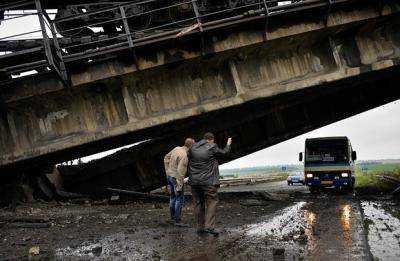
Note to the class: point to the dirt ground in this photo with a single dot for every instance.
(297, 226)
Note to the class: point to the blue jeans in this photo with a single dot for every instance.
(176, 201)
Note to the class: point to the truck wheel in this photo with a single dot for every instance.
(351, 188)
(288, 183)
(346, 189)
(313, 190)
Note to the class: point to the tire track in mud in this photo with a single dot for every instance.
(338, 228)
(365, 232)
(325, 227)
(247, 243)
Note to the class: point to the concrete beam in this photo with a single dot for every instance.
(253, 127)
(129, 106)
(218, 42)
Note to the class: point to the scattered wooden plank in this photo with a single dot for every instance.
(390, 178)
(270, 196)
(70, 195)
(394, 180)
(253, 202)
(138, 194)
(29, 225)
(24, 219)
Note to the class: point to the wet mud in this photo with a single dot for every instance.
(299, 226)
(383, 228)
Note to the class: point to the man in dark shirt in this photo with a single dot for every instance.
(204, 180)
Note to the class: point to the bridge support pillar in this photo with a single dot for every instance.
(128, 105)
(336, 54)
(235, 76)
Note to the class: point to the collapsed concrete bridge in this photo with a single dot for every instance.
(259, 86)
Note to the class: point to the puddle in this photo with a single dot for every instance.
(327, 228)
(287, 222)
(275, 237)
(383, 231)
(117, 245)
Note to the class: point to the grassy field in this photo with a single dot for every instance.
(368, 177)
(259, 171)
(271, 176)
(379, 167)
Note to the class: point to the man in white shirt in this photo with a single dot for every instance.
(175, 163)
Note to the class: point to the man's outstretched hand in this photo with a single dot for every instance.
(229, 142)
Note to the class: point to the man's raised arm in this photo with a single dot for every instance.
(226, 150)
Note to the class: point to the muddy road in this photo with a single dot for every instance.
(297, 226)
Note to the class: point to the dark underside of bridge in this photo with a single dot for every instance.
(253, 126)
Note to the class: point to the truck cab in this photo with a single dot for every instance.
(329, 162)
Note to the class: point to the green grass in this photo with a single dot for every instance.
(262, 170)
(380, 167)
(369, 181)
(277, 176)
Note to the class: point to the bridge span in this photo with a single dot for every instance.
(261, 80)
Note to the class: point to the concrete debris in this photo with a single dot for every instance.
(278, 253)
(34, 251)
(253, 202)
(55, 178)
(114, 198)
(271, 196)
(46, 188)
(97, 250)
(123, 216)
(125, 169)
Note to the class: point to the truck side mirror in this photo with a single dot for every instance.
(354, 155)
(301, 156)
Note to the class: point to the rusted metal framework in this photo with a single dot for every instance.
(93, 34)
(43, 56)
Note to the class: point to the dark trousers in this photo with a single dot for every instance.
(205, 199)
(176, 200)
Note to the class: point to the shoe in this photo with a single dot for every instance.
(179, 224)
(212, 231)
(200, 231)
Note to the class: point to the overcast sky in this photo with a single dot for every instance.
(374, 134)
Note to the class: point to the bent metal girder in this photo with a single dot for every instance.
(69, 38)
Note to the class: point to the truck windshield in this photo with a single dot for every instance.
(327, 151)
